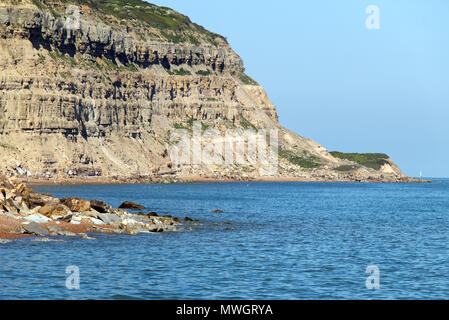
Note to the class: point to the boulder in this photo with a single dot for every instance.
(6, 183)
(66, 218)
(55, 230)
(9, 215)
(163, 220)
(155, 229)
(106, 230)
(142, 219)
(37, 218)
(34, 199)
(76, 205)
(20, 188)
(76, 220)
(10, 207)
(22, 207)
(131, 205)
(109, 218)
(130, 228)
(85, 236)
(96, 221)
(217, 211)
(100, 206)
(35, 229)
(67, 234)
(53, 210)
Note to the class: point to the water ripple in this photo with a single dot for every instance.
(287, 241)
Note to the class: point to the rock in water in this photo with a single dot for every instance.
(55, 230)
(85, 236)
(100, 206)
(131, 205)
(217, 211)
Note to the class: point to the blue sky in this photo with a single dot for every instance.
(347, 87)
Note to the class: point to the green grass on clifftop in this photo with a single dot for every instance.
(370, 160)
(171, 23)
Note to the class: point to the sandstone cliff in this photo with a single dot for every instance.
(96, 88)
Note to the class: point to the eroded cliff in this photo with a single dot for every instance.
(97, 88)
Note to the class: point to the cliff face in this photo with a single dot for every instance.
(98, 87)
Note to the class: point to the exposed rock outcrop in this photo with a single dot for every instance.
(92, 91)
(23, 211)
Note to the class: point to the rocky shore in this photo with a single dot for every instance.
(169, 179)
(25, 212)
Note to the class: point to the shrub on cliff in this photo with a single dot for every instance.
(371, 160)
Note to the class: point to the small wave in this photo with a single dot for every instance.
(123, 297)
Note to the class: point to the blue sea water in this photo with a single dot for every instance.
(285, 241)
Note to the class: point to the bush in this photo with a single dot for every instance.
(194, 40)
(247, 79)
(179, 72)
(204, 72)
(307, 162)
(38, 4)
(371, 160)
(345, 168)
(179, 126)
(191, 121)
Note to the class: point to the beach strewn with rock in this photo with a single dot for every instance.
(25, 212)
(92, 91)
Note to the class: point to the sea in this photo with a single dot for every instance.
(278, 240)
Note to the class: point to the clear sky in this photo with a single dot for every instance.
(335, 81)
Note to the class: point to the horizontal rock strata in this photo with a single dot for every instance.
(102, 96)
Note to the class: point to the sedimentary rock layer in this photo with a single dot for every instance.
(97, 90)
